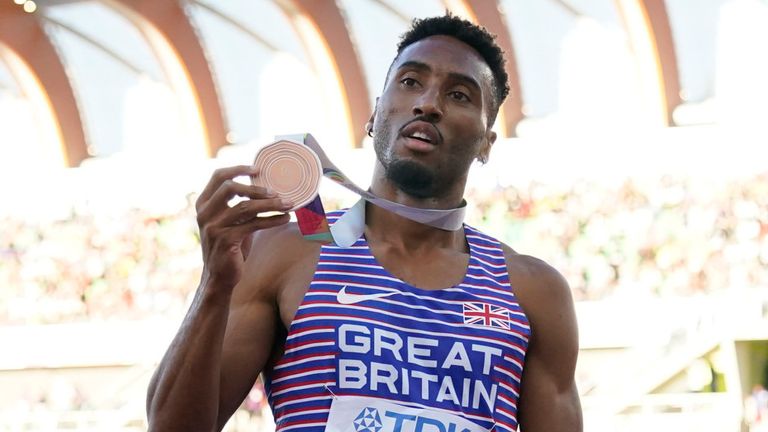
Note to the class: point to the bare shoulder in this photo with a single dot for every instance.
(541, 290)
(279, 257)
(528, 273)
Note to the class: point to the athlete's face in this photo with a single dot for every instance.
(431, 121)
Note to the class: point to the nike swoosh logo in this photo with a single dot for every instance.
(347, 298)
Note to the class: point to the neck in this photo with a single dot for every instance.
(402, 232)
(406, 235)
(450, 198)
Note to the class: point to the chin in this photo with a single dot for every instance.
(412, 177)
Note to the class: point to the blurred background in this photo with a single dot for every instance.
(632, 157)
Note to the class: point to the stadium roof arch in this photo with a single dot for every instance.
(205, 60)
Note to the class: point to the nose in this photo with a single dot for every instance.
(428, 105)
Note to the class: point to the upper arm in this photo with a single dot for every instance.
(248, 342)
(255, 329)
(549, 399)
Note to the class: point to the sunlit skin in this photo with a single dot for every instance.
(443, 86)
(257, 269)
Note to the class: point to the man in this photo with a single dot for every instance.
(411, 329)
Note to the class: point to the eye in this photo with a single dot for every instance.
(459, 96)
(408, 82)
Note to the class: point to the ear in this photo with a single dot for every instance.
(369, 124)
(485, 148)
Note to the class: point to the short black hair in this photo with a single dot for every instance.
(471, 34)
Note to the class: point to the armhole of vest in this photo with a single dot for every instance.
(504, 278)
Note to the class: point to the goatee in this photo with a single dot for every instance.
(412, 178)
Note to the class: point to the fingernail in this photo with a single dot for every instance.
(286, 203)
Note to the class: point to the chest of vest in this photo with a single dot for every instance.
(361, 332)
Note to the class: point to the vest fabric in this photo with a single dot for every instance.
(362, 334)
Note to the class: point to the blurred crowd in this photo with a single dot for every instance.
(655, 237)
(640, 237)
(91, 266)
(756, 409)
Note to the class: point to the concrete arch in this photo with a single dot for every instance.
(330, 26)
(168, 20)
(24, 35)
(488, 14)
(647, 24)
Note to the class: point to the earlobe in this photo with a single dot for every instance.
(369, 124)
(485, 149)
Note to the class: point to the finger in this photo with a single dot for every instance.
(260, 223)
(220, 199)
(247, 210)
(221, 175)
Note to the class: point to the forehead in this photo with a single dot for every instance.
(445, 54)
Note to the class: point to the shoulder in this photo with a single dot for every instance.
(281, 246)
(276, 257)
(543, 293)
(533, 274)
(540, 288)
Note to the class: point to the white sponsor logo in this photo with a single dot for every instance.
(347, 298)
(366, 414)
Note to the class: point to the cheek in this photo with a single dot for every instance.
(383, 119)
(469, 130)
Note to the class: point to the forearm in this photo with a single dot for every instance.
(184, 391)
(567, 405)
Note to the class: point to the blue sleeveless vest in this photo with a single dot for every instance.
(362, 332)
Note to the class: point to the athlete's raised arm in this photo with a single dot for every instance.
(185, 391)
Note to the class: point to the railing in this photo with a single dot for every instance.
(121, 420)
(668, 413)
(81, 421)
(690, 330)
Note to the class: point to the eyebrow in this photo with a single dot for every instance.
(466, 79)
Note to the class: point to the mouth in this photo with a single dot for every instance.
(423, 132)
(421, 137)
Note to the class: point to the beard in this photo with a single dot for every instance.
(412, 178)
(410, 175)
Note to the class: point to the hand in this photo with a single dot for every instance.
(226, 232)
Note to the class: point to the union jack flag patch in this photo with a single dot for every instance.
(484, 314)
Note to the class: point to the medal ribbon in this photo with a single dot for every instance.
(314, 224)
